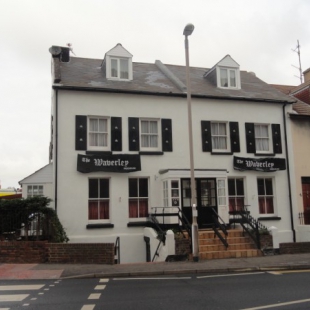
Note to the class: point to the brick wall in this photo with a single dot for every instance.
(36, 252)
(82, 253)
(182, 246)
(294, 248)
(23, 252)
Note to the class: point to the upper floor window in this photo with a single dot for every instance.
(262, 140)
(219, 136)
(149, 134)
(34, 190)
(228, 78)
(119, 68)
(98, 133)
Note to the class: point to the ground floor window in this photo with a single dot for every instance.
(265, 195)
(236, 194)
(34, 190)
(138, 197)
(98, 199)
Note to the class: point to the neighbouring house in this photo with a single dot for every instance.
(39, 183)
(10, 193)
(119, 149)
(300, 129)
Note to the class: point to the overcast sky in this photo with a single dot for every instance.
(259, 35)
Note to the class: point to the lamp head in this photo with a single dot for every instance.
(188, 30)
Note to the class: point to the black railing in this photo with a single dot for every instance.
(117, 253)
(250, 225)
(219, 228)
(161, 213)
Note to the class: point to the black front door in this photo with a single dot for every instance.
(206, 200)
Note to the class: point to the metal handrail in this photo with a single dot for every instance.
(221, 225)
(117, 250)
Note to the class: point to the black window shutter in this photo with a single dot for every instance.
(116, 134)
(133, 133)
(80, 132)
(166, 134)
(276, 138)
(250, 137)
(234, 136)
(206, 136)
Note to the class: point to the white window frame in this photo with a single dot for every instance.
(267, 196)
(137, 219)
(118, 76)
(158, 134)
(229, 72)
(108, 133)
(269, 139)
(103, 221)
(30, 190)
(227, 136)
(236, 196)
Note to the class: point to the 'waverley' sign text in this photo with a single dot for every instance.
(110, 163)
(259, 164)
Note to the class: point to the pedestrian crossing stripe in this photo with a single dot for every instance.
(14, 297)
(21, 287)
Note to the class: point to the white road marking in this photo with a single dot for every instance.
(21, 287)
(104, 280)
(15, 297)
(287, 271)
(4, 308)
(25, 305)
(100, 287)
(230, 275)
(172, 278)
(86, 307)
(94, 296)
(33, 299)
(279, 305)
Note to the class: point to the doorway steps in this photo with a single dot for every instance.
(211, 247)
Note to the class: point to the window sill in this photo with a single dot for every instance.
(137, 224)
(94, 226)
(221, 153)
(264, 154)
(269, 218)
(151, 153)
(98, 153)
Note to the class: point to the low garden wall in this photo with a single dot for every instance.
(294, 248)
(35, 252)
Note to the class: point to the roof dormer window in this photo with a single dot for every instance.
(228, 78)
(118, 64)
(225, 74)
(119, 68)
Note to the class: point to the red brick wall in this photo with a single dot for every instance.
(36, 252)
(294, 248)
(23, 252)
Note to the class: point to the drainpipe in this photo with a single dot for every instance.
(288, 175)
(56, 149)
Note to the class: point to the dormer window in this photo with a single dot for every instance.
(117, 64)
(119, 68)
(225, 74)
(228, 78)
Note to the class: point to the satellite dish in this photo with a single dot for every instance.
(55, 50)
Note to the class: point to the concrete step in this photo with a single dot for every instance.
(230, 254)
(221, 247)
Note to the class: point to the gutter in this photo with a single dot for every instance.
(289, 176)
(180, 95)
(56, 150)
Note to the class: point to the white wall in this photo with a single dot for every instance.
(72, 200)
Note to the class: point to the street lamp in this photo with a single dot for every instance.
(188, 30)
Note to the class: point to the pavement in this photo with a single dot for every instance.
(216, 266)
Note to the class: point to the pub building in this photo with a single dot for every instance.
(119, 147)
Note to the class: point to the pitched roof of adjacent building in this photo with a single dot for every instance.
(148, 78)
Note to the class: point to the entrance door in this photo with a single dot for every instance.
(306, 199)
(206, 200)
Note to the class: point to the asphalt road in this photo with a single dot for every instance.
(247, 291)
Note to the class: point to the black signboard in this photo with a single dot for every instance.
(123, 163)
(259, 164)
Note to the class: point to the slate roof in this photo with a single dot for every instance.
(84, 73)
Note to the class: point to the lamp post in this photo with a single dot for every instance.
(188, 30)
